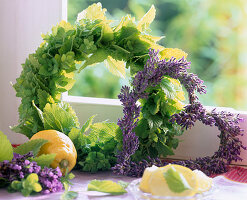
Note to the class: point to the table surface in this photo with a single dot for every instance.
(226, 189)
(79, 183)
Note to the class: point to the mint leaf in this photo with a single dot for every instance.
(69, 195)
(73, 135)
(40, 113)
(104, 130)
(6, 150)
(116, 67)
(175, 181)
(87, 124)
(106, 186)
(31, 145)
(147, 19)
(57, 117)
(45, 159)
(97, 57)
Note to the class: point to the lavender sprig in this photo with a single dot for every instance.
(227, 123)
(20, 166)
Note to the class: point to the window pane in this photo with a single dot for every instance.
(213, 33)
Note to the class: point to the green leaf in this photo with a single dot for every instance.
(141, 129)
(73, 135)
(40, 113)
(154, 122)
(106, 186)
(116, 67)
(45, 160)
(44, 98)
(93, 12)
(176, 181)
(163, 148)
(16, 185)
(71, 176)
(32, 178)
(58, 118)
(31, 145)
(69, 195)
(87, 124)
(37, 187)
(6, 149)
(107, 33)
(169, 88)
(104, 130)
(95, 161)
(98, 56)
(26, 192)
(147, 19)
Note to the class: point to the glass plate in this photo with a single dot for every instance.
(140, 195)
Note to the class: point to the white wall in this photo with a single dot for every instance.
(21, 23)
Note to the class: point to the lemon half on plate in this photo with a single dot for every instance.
(153, 184)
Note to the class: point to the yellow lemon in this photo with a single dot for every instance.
(158, 185)
(59, 144)
(144, 184)
(204, 182)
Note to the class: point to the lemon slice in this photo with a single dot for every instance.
(204, 182)
(144, 184)
(158, 185)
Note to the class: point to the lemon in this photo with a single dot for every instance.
(59, 144)
(144, 184)
(158, 185)
(204, 182)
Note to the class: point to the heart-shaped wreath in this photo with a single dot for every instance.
(50, 70)
(227, 123)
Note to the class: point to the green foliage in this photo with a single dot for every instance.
(96, 149)
(31, 145)
(95, 161)
(106, 186)
(26, 186)
(58, 117)
(66, 179)
(6, 150)
(156, 133)
(44, 159)
(174, 181)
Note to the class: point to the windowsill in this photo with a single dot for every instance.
(90, 100)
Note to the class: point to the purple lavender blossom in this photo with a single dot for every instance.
(19, 167)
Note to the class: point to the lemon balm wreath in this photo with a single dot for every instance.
(50, 70)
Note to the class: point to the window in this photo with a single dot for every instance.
(211, 32)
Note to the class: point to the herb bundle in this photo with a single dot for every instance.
(227, 123)
(21, 166)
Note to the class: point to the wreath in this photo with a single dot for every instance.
(147, 130)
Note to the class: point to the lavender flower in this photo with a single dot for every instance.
(50, 180)
(19, 167)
